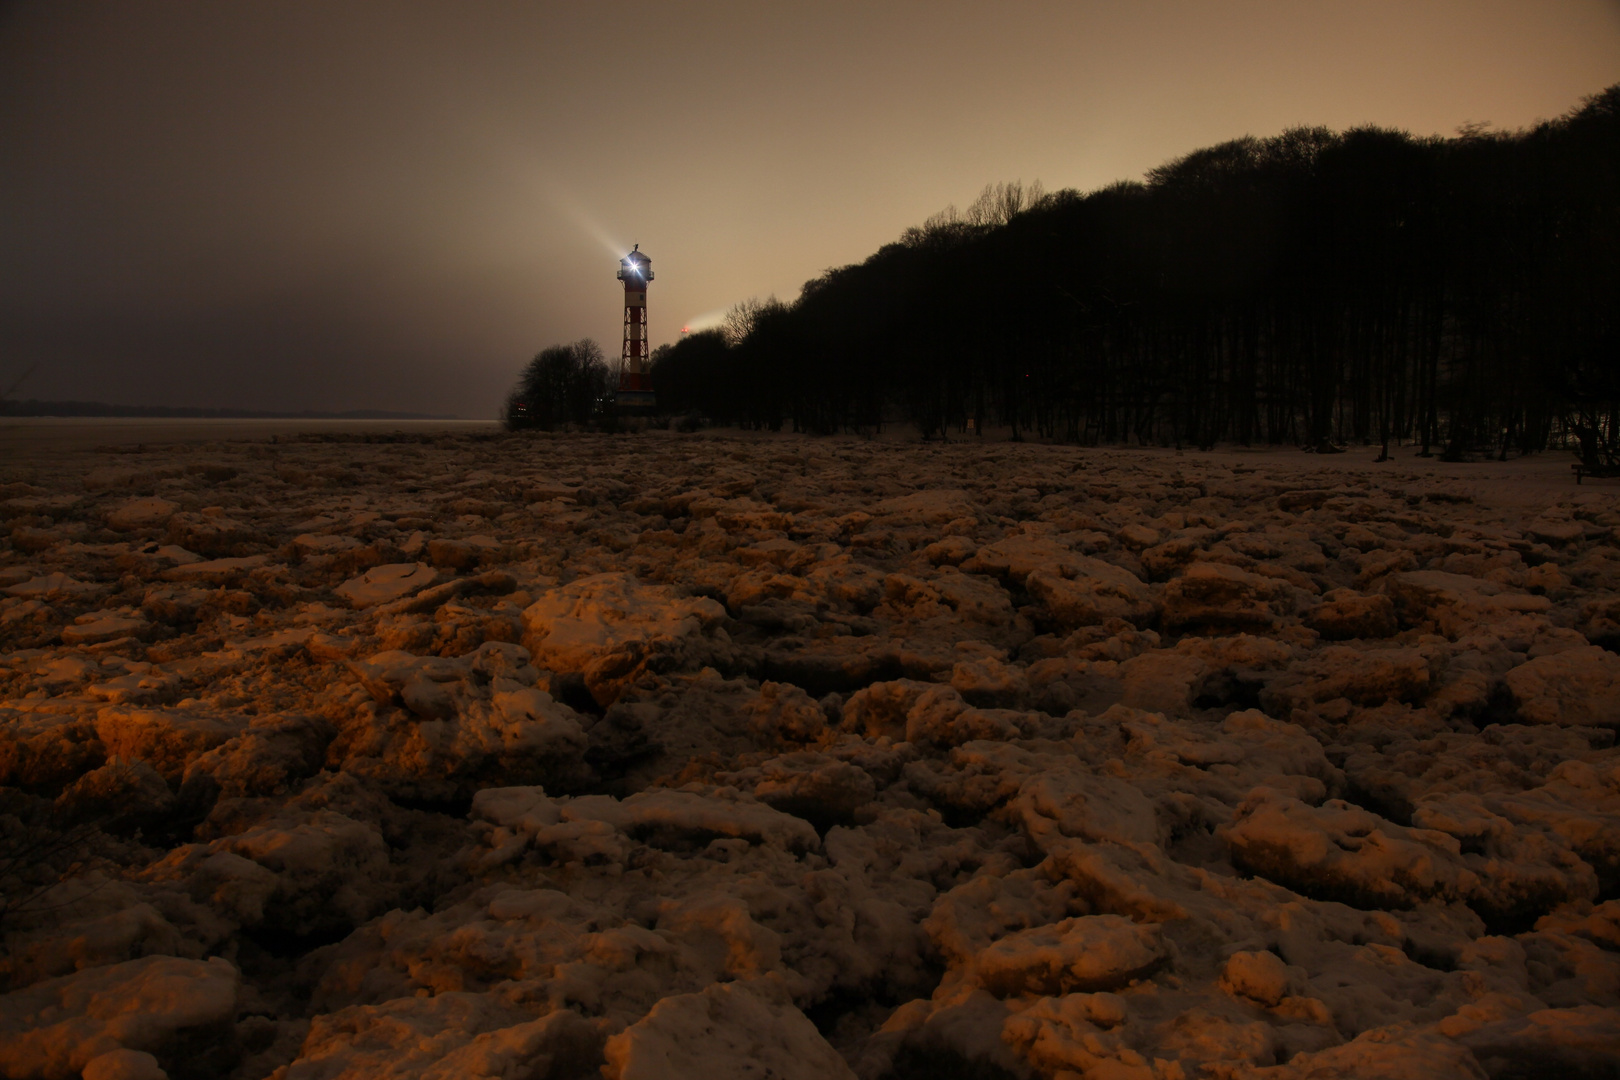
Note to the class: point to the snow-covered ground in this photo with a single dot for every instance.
(729, 756)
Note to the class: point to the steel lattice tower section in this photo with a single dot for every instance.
(635, 391)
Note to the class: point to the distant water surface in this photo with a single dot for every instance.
(21, 435)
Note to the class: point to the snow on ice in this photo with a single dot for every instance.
(715, 756)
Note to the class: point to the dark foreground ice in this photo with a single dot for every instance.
(661, 756)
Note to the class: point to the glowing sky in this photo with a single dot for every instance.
(390, 205)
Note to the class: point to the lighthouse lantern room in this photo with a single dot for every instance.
(635, 393)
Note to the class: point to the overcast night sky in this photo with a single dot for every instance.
(393, 205)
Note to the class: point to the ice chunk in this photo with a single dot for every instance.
(1583, 1041)
(977, 912)
(450, 1036)
(53, 586)
(1342, 852)
(608, 627)
(1071, 802)
(1163, 680)
(1016, 557)
(1397, 1052)
(53, 1029)
(677, 813)
(1089, 591)
(324, 544)
(1261, 977)
(787, 713)
(1217, 595)
(1363, 676)
(467, 724)
(936, 506)
(105, 626)
(118, 797)
(1456, 604)
(463, 553)
(326, 872)
(1086, 953)
(216, 571)
(815, 786)
(1580, 686)
(1345, 613)
(141, 514)
(381, 584)
(167, 739)
(728, 1030)
(124, 1065)
(272, 754)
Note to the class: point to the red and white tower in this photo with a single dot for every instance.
(635, 386)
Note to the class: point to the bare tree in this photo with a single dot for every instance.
(740, 320)
(999, 203)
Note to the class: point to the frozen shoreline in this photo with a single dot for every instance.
(531, 755)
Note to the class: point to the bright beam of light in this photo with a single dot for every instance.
(570, 208)
(709, 320)
(594, 229)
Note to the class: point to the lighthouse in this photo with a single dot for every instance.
(635, 394)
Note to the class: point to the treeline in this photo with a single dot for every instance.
(1311, 288)
(563, 384)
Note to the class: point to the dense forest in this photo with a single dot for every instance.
(1310, 288)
